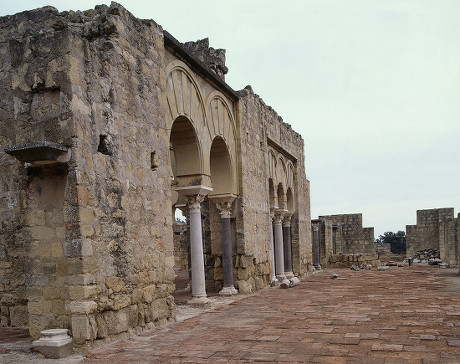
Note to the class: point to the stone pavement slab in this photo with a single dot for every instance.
(403, 315)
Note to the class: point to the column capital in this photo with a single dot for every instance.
(277, 219)
(225, 209)
(315, 227)
(224, 203)
(287, 218)
(194, 202)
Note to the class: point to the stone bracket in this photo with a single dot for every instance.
(40, 153)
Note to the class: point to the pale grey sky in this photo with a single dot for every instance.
(373, 86)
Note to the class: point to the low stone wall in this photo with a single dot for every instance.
(346, 261)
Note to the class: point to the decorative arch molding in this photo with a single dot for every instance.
(221, 123)
(272, 165)
(281, 171)
(290, 175)
(211, 118)
(184, 100)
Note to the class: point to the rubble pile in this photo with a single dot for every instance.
(430, 256)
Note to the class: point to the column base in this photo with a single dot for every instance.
(316, 268)
(285, 283)
(228, 291)
(274, 282)
(54, 344)
(199, 301)
(289, 275)
(294, 281)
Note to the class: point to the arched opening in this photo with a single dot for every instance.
(221, 168)
(222, 225)
(272, 195)
(281, 197)
(184, 149)
(184, 161)
(290, 200)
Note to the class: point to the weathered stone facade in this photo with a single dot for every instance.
(435, 229)
(341, 235)
(114, 122)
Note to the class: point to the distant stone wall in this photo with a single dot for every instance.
(181, 246)
(350, 236)
(347, 260)
(253, 211)
(383, 248)
(327, 235)
(435, 229)
(458, 242)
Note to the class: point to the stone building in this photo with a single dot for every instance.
(343, 235)
(435, 229)
(107, 124)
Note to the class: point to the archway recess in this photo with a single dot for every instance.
(221, 167)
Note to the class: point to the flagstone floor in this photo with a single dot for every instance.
(403, 315)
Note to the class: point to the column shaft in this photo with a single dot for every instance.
(196, 251)
(316, 258)
(287, 249)
(273, 249)
(279, 260)
(227, 256)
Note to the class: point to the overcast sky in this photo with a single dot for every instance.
(372, 86)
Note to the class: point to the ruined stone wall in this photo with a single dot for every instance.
(354, 238)
(383, 248)
(458, 241)
(326, 240)
(103, 256)
(347, 260)
(260, 128)
(126, 232)
(35, 203)
(435, 229)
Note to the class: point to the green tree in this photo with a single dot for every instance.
(397, 241)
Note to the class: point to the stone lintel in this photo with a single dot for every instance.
(40, 153)
(222, 197)
(194, 190)
(281, 212)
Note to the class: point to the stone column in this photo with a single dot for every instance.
(272, 244)
(194, 196)
(196, 250)
(227, 254)
(279, 253)
(287, 246)
(316, 261)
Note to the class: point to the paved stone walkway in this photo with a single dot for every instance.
(404, 315)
